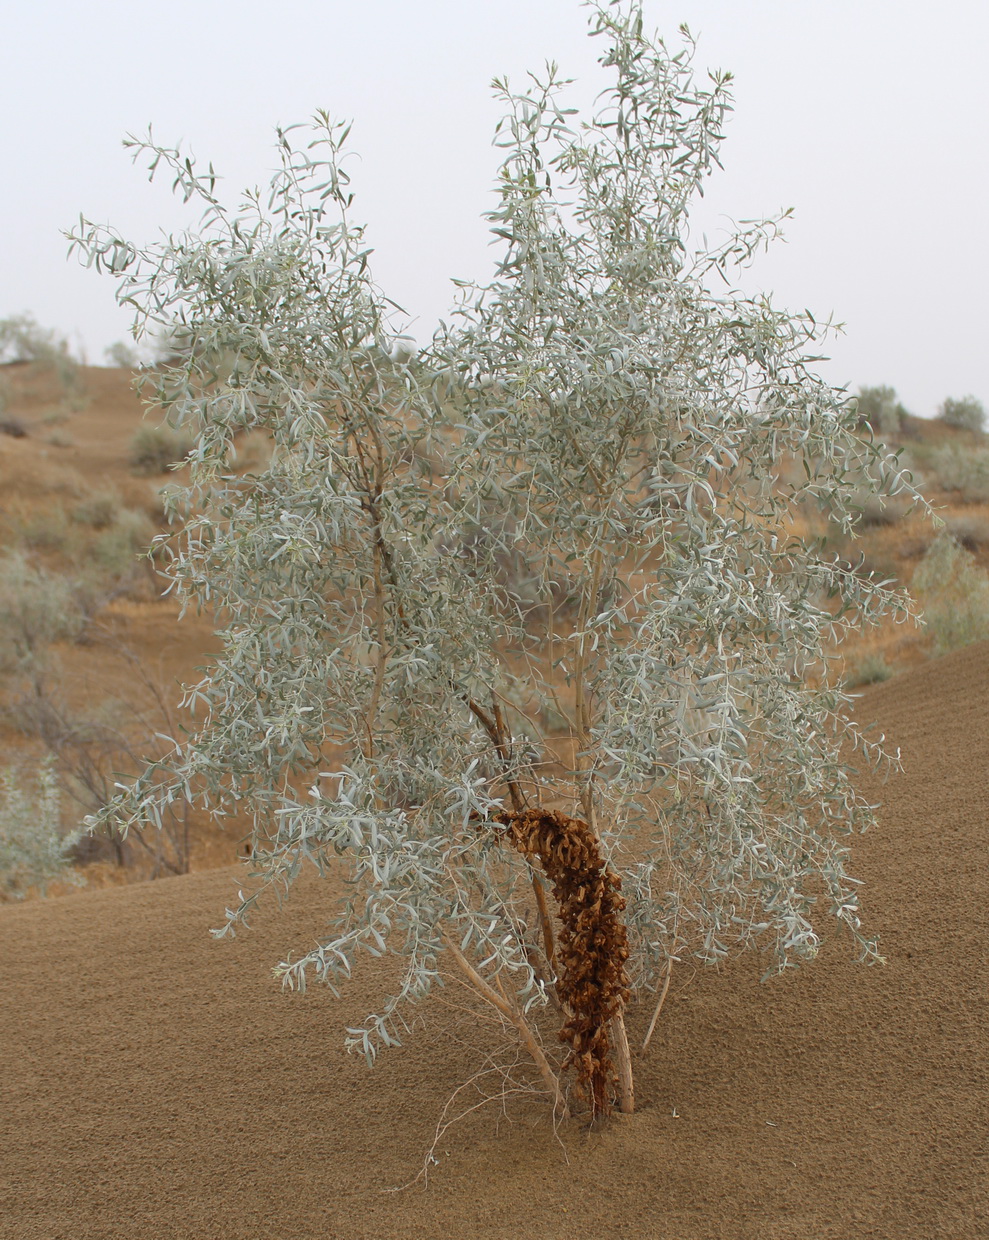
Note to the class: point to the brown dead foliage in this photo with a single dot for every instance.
(592, 945)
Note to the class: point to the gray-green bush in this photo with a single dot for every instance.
(34, 851)
(962, 468)
(154, 449)
(872, 669)
(879, 407)
(22, 339)
(121, 545)
(964, 413)
(954, 593)
(380, 699)
(37, 608)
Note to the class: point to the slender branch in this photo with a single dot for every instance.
(659, 1005)
(623, 1062)
(511, 1014)
(581, 707)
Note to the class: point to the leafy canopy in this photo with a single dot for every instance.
(566, 513)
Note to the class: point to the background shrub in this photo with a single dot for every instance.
(22, 339)
(971, 532)
(870, 670)
(36, 608)
(33, 849)
(122, 355)
(963, 468)
(44, 529)
(155, 448)
(879, 510)
(120, 545)
(965, 413)
(879, 407)
(11, 426)
(98, 510)
(954, 593)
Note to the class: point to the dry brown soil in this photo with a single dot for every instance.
(157, 1083)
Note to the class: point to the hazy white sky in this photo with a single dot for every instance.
(868, 117)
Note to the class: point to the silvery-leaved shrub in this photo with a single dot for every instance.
(879, 407)
(527, 601)
(965, 413)
(954, 593)
(37, 609)
(963, 469)
(24, 340)
(34, 851)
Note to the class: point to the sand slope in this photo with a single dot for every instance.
(157, 1083)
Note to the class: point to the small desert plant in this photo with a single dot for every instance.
(962, 468)
(870, 670)
(123, 355)
(970, 532)
(879, 407)
(954, 593)
(94, 748)
(59, 438)
(37, 608)
(33, 850)
(875, 511)
(118, 549)
(13, 427)
(22, 339)
(154, 449)
(964, 413)
(45, 529)
(98, 510)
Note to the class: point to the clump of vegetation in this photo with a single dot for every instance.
(12, 426)
(40, 608)
(155, 449)
(879, 408)
(121, 544)
(954, 592)
(123, 355)
(970, 532)
(964, 413)
(875, 511)
(871, 670)
(962, 468)
(94, 748)
(98, 510)
(22, 339)
(37, 609)
(45, 529)
(34, 851)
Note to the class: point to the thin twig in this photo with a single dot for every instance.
(518, 1020)
(659, 1005)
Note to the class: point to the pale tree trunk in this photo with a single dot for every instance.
(623, 1064)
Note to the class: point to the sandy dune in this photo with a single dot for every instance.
(157, 1083)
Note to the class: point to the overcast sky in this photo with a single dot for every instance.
(868, 117)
